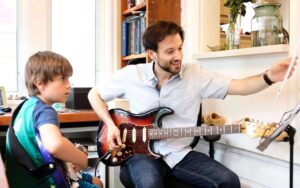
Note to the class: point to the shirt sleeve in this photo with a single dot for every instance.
(217, 85)
(45, 115)
(210, 84)
(114, 87)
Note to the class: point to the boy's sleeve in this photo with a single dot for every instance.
(45, 115)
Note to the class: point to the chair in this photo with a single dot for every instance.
(171, 182)
(50, 166)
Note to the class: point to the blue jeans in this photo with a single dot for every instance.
(195, 168)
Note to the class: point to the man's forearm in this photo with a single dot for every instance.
(249, 85)
(99, 106)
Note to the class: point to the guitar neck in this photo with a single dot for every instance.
(192, 131)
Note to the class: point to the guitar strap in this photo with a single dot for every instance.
(20, 154)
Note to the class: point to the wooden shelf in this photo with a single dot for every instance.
(281, 48)
(141, 6)
(135, 56)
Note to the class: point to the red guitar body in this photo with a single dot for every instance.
(127, 122)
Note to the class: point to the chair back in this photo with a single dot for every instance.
(50, 167)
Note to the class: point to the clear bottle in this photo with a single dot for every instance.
(266, 25)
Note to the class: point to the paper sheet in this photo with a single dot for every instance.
(294, 59)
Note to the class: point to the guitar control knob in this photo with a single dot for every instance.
(123, 146)
(119, 153)
(114, 160)
(51, 166)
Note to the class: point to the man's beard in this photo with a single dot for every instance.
(167, 68)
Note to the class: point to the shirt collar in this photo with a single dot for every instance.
(147, 74)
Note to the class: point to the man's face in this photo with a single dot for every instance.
(169, 54)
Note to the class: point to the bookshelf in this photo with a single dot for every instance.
(134, 20)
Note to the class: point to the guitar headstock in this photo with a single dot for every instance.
(255, 128)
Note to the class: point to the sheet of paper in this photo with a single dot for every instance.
(294, 59)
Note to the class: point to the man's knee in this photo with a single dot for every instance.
(231, 180)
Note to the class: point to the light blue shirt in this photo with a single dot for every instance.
(183, 93)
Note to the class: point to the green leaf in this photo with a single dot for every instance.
(243, 10)
(237, 7)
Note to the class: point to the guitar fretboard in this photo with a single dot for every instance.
(192, 131)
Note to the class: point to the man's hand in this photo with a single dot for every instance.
(113, 137)
(277, 71)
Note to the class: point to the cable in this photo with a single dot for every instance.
(99, 160)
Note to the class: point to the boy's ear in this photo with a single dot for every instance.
(38, 83)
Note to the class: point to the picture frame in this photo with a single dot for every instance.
(3, 101)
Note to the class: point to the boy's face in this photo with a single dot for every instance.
(54, 91)
(169, 54)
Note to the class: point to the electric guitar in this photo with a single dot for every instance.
(137, 132)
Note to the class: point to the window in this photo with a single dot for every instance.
(8, 44)
(74, 36)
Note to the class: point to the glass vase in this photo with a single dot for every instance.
(233, 34)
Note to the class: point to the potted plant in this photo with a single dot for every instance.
(236, 9)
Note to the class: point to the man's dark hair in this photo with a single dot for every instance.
(158, 32)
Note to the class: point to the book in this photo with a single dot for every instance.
(143, 29)
(124, 38)
(138, 40)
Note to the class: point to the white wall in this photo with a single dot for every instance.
(34, 33)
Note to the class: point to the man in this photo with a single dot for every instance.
(182, 87)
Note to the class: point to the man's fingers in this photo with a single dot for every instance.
(119, 140)
(114, 143)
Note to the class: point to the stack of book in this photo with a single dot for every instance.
(133, 28)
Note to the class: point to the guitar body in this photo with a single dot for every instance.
(132, 128)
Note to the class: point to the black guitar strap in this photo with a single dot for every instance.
(20, 154)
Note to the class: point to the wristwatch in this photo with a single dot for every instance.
(267, 79)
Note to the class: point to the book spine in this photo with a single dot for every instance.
(143, 28)
(138, 36)
(124, 38)
(133, 41)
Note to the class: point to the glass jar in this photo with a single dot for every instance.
(266, 25)
(233, 33)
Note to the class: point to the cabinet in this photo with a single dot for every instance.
(136, 15)
(206, 30)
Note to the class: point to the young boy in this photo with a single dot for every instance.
(47, 81)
